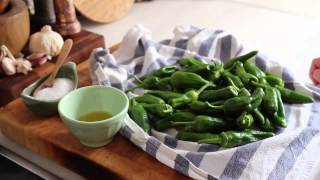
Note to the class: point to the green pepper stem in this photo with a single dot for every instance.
(232, 83)
(228, 69)
(215, 107)
(137, 78)
(133, 88)
(213, 140)
(205, 87)
(133, 102)
(258, 84)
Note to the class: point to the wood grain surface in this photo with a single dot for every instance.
(50, 138)
(84, 42)
(103, 11)
(15, 26)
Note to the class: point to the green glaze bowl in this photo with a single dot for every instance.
(94, 99)
(48, 108)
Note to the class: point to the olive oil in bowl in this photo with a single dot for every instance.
(94, 116)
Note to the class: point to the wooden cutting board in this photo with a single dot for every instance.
(84, 42)
(103, 11)
(50, 138)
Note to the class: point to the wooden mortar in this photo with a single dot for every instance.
(15, 26)
(3, 5)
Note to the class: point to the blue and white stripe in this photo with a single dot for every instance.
(289, 155)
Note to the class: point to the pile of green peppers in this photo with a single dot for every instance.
(229, 104)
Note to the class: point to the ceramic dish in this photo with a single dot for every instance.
(48, 108)
(94, 99)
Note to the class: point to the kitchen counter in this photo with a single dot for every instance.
(288, 31)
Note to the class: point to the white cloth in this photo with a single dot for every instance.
(288, 155)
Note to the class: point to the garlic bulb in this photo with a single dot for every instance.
(46, 41)
(8, 66)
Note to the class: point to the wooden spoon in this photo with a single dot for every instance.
(61, 60)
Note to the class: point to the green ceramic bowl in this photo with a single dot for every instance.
(48, 108)
(94, 99)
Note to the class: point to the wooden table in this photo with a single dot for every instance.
(50, 138)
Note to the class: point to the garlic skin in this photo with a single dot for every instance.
(23, 66)
(46, 41)
(8, 66)
(38, 59)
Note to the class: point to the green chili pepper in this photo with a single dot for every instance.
(216, 73)
(244, 121)
(139, 115)
(203, 123)
(148, 83)
(161, 110)
(220, 102)
(201, 70)
(166, 95)
(214, 76)
(187, 80)
(188, 97)
(288, 95)
(251, 68)
(274, 80)
(259, 94)
(232, 79)
(193, 136)
(165, 123)
(237, 105)
(205, 107)
(230, 139)
(243, 75)
(164, 84)
(281, 111)
(149, 99)
(279, 117)
(165, 71)
(263, 81)
(190, 62)
(262, 121)
(196, 66)
(244, 92)
(260, 134)
(242, 58)
(294, 97)
(270, 102)
(219, 94)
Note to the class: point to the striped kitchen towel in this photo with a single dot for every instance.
(291, 154)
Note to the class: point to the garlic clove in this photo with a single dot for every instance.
(1, 57)
(8, 66)
(23, 66)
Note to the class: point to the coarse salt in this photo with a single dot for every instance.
(61, 87)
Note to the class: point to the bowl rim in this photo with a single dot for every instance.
(124, 109)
